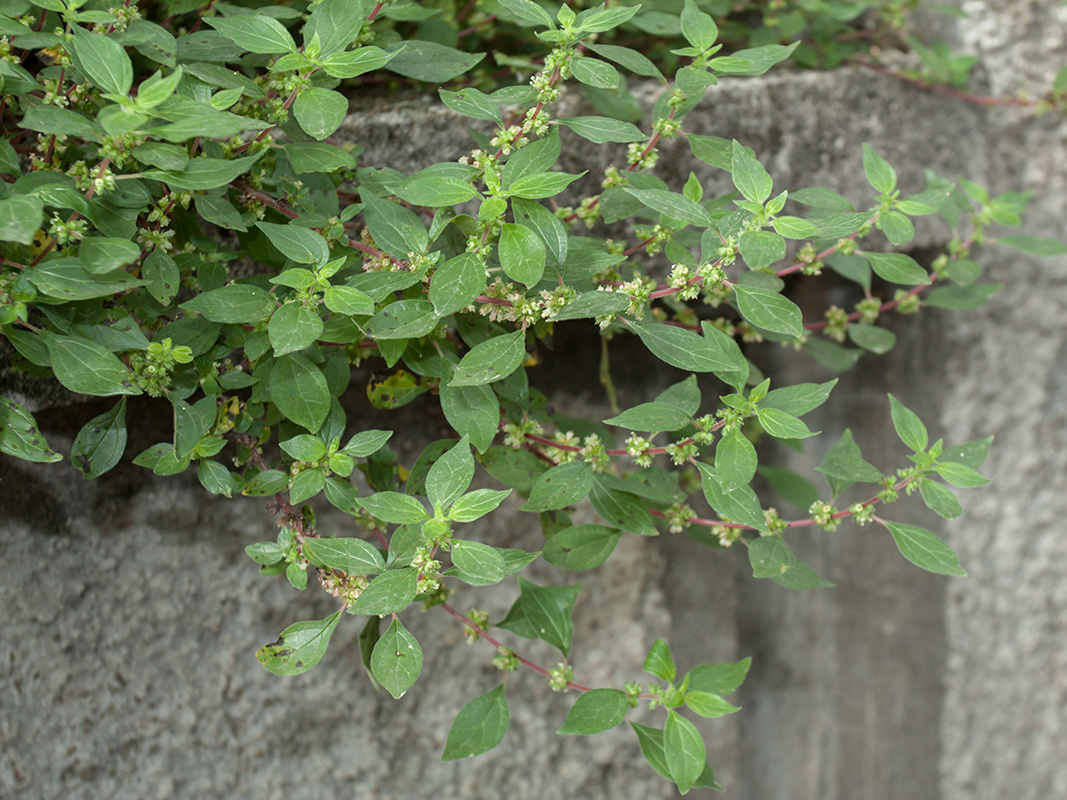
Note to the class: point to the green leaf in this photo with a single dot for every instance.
(404, 319)
(581, 547)
(265, 552)
(395, 229)
(604, 129)
(201, 174)
(718, 679)
(351, 556)
(256, 33)
(548, 612)
(880, 174)
(546, 224)
(698, 28)
(366, 443)
(235, 303)
(492, 360)
(962, 298)
(843, 463)
(908, 426)
(871, 337)
(594, 72)
(559, 487)
(104, 60)
(940, 499)
(388, 593)
(356, 62)
(654, 416)
(450, 475)
(960, 474)
(397, 660)
(593, 304)
(522, 254)
(59, 121)
(971, 454)
(831, 355)
(436, 191)
(478, 564)
(20, 218)
(298, 244)
(660, 662)
(306, 485)
(337, 23)
(801, 577)
(684, 751)
(269, 481)
(529, 11)
(320, 112)
(534, 159)
(684, 395)
(604, 19)
(88, 368)
(795, 227)
(430, 61)
(395, 507)
(897, 227)
(621, 509)
(293, 327)
(368, 637)
(760, 59)
(897, 268)
(318, 157)
(675, 206)
(596, 711)
(299, 390)
(749, 176)
(632, 60)
(20, 437)
(1035, 244)
(709, 705)
(770, 556)
(348, 301)
(220, 211)
(481, 724)
(783, 426)
(714, 352)
(476, 504)
(66, 279)
(925, 549)
(342, 495)
(739, 504)
(545, 184)
(761, 248)
(769, 310)
(799, 398)
(300, 646)
(471, 103)
(735, 460)
(473, 411)
(304, 447)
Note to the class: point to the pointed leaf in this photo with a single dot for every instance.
(595, 712)
(396, 660)
(480, 725)
(300, 646)
(925, 549)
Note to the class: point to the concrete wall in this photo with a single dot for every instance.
(131, 615)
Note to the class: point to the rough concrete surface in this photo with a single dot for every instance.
(131, 614)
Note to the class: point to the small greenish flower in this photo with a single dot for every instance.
(823, 515)
(559, 677)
